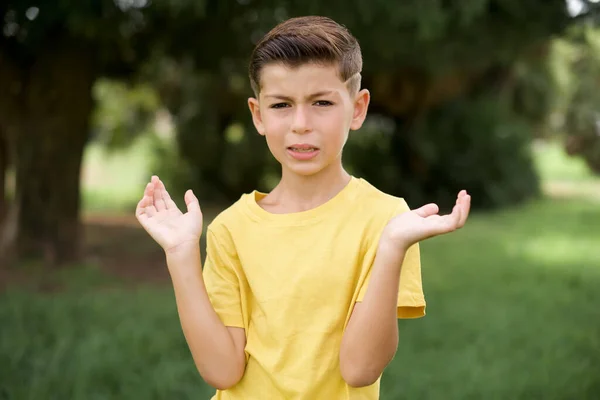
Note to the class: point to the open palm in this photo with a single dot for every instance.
(162, 219)
(425, 222)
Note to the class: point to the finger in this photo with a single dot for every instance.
(191, 201)
(170, 204)
(427, 210)
(150, 194)
(159, 203)
(452, 220)
(458, 216)
(461, 208)
(465, 208)
(140, 209)
(141, 216)
(150, 211)
(154, 186)
(144, 200)
(148, 189)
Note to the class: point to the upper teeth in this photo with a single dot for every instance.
(303, 149)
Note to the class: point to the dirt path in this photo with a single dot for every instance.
(119, 246)
(114, 243)
(589, 190)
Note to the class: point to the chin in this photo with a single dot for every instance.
(308, 169)
(305, 170)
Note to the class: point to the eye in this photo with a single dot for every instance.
(323, 103)
(279, 105)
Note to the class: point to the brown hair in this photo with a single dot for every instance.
(304, 40)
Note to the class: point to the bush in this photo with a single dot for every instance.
(479, 145)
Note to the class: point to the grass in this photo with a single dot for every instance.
(554, 165)
(512, 314)
(565, 176)
(513, 310)
(95, 344)
(114, 181)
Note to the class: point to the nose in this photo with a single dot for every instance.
(301, 122)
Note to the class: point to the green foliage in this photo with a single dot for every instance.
(478, 145)
(414, 50)
(512, 314)
(113, 179)
(222, 156)
(109, 26)
(582, 124)
(535, 94)
(119, 35)
(195, 53)
(435, 35)
(122, 113)
(555, 166)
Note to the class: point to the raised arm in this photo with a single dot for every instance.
(371, 337)
(217, 350)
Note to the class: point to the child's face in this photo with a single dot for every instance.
(305, 114)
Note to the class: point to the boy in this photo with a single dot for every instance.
(302, 287)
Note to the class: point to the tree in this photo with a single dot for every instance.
(51, 53)
(463, 111)
(3, 176)
(582, 122)
(430, 67)
(426, 61)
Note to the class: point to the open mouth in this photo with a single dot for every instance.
(303, 149)
(303, 152)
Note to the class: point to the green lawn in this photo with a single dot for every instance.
(513, 310)
(513, 313)
(554, 165)
(114, 181)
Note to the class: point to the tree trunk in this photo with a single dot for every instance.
(3, 176)
(48, 129)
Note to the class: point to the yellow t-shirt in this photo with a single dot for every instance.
(291, 280)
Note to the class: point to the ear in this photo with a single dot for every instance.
(254, 106)
(361, 104)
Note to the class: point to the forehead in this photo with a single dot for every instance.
(301, 79)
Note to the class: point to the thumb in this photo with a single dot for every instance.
(427, 210)
(191, 201)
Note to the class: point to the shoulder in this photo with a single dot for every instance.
(229, 218)
(371, 210)
(374, 200)
(220, 237)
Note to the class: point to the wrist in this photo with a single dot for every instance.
(391, 250)
(183, 253)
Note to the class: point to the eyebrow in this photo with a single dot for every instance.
(311, 96)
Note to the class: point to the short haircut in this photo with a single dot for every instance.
(306, 40)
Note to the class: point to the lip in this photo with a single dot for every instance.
(302, 155)
(303, 146)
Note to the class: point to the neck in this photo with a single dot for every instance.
(305, 192)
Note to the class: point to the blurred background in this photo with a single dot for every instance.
(501, 97)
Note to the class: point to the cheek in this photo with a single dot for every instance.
(271, 124)
(336, 125)
(275, 129)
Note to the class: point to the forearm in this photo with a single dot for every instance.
(371, 337)
(218, 360)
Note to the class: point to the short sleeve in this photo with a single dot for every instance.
(411, 300)
(222, 282)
